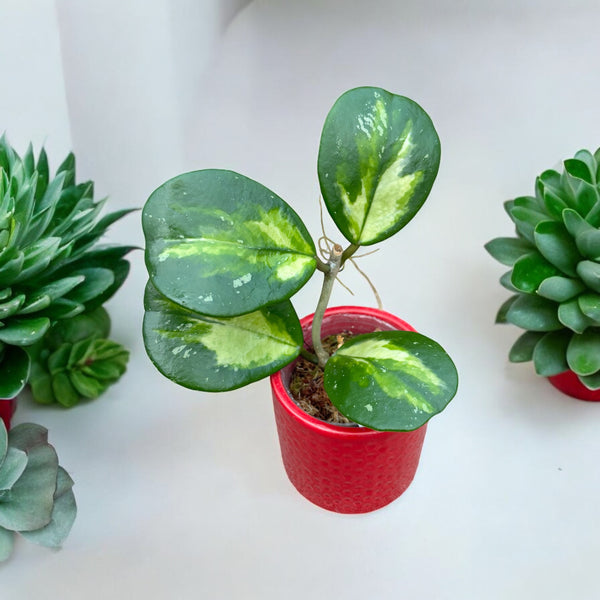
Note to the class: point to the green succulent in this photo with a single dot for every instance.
(555, 271)
(76, 361)
(51, 267)
(36, 496)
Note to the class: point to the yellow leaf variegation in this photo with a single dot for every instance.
(378, 158)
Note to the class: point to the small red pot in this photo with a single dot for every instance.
(7, 409)
(569, 384)
(344, 469)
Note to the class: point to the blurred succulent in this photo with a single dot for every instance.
(50, 265)
(36, 496)
(75, 360)
(555, 271)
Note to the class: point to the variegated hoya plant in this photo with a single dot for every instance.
(225, 254)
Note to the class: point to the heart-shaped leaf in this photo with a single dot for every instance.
(378, 158)
(217, 354)
(390, 380)
(221, 244)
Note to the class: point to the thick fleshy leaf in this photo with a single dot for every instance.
(390, 380)
(508, 250)
(576, 225)
(590, 306)
(530, 271)
(591, 382)
(522, 349)
(378, 158)
(560, 289)
(579, 169)
(503, 310)
(12, 468)
(534, 314)
(549, 355)
(526, 220)
(218, 354)
(557, 246)
(589, 272)
(24, 332)
(583, 352)
(63, 515)
(571, 316)
(29, 505)
(15, 367)
(588, 243)
(221, 244)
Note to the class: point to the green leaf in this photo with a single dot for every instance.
(526, 220)
(12, 468)
(508, 250)
(390, 380)
(549, 355)
(503, 310)
(583, 352)
(571, 316)
(588, 243)
(221, 244)
(591, 382)
(530, 271)
(63, 515)
(96, 281)
(12, 306)
(534, 314)
(88, 387)
(590, 306)
(14, 366)
(560, 289)
(575, 223)
(29, 505)
(64, 391)
(218, 354)
(95, 324)
(589, 272)
(522, 349)
(378, 158)
(578, 168)
(24, 332)
(505, 282)
(557, 246)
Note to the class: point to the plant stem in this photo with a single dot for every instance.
(334, 262)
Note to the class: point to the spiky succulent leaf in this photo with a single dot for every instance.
(555, 260)
(378, 158)
(390, 380)
(36, 497)
(221, 244)
(49, 268)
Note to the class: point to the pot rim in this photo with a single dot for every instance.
(330, 429)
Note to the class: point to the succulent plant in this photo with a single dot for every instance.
(555, 271)
(51, 267)
(75, 360)
(36, 496)
(225, 254)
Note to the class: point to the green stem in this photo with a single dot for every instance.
(334, 263)
(309, 355)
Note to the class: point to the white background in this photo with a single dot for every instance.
(182, 494)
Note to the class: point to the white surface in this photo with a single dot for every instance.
(182, 495)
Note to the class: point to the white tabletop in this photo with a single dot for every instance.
(183, 494)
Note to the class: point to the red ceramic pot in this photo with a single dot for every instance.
(7, 409)
(569, 384)
(341, 468)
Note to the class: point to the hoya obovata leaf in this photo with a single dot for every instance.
(378, 158)
(221, 244)
(390, 380)
(218, 354)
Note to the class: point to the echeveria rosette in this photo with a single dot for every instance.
(225, 254)
(51, 266)
(36, 496)
(75, 361)
(555, 271)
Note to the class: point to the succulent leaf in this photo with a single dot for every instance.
(36, 497)
(549, 354)
(583, 352)
(48, 230)
(508, 250)
(522, 349)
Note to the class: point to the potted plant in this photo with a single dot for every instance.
(54, 278)
(36, 496)
(225, 254)
(554, 276)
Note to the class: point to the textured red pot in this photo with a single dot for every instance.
(340, 468)
(569, 384)
(7, 409)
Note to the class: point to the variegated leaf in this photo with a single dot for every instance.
(390, 380)
(223, 245)
(217, 354)
(378, 158)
